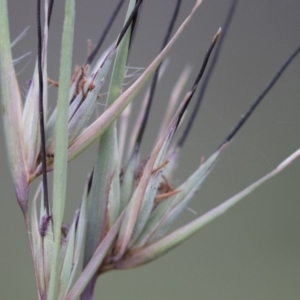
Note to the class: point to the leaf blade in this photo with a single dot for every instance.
(60, 161)
(95, 262)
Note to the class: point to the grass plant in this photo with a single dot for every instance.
(130, 203)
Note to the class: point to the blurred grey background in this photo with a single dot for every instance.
(253, 251)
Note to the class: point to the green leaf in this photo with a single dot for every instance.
(47, 253)
(67, 259)
(36, 242)
(134, 206)
(167, 243)
(98, 199)
(147, 204)
(114, 204)
(128, 181)
(181, 200)
(95, 261)
(168, 210)
(61, 143)
(105, 191)
(79, 241)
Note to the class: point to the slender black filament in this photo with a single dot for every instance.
(105, 32)
(208, 74)
(260, 97)
(155, 79)
(131, 19)
(132, 28)
(41, 109)
(199, 76)
(50, 8)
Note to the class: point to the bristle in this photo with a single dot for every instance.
(258, 100)
(50, 8)
(17, 60)
(190, 94)
(19, 37)
(214, 60)
(155, 78)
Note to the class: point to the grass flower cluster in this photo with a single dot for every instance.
(130, 203)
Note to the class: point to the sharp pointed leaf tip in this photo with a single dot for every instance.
(288, 160)
(217, 35)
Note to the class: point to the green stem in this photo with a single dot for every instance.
(61, 143)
